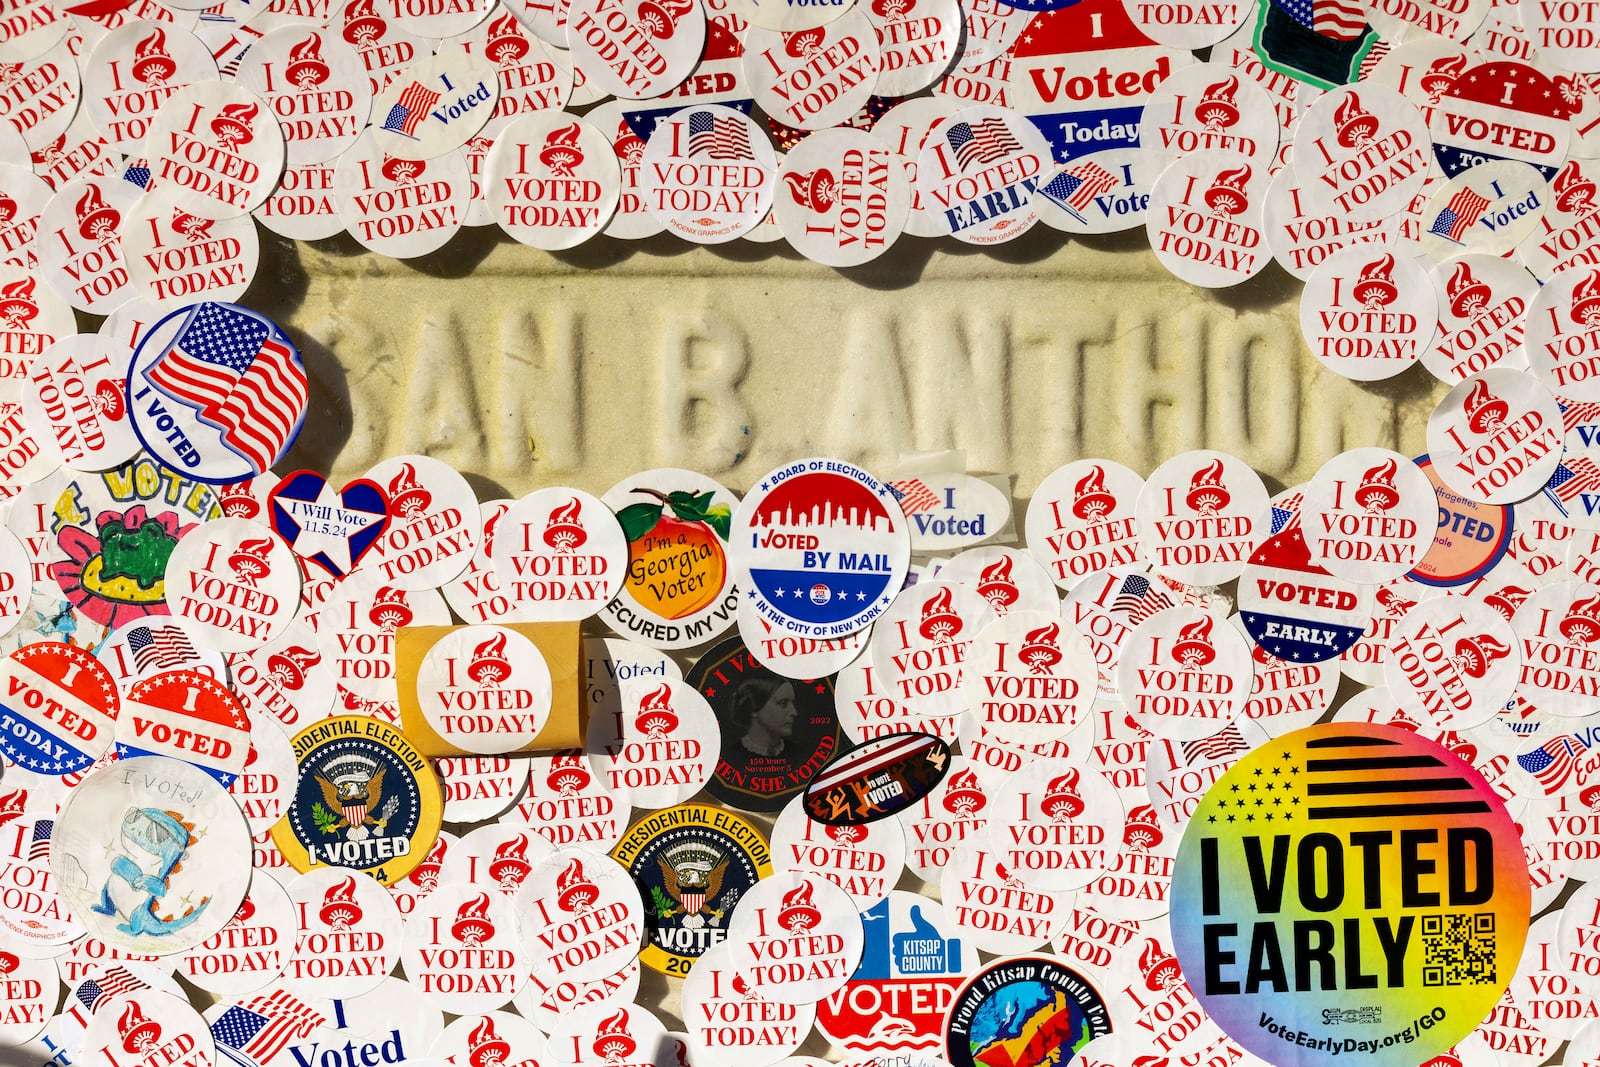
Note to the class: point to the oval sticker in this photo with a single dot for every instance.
(880, 778)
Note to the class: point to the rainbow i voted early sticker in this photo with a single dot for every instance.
(1350, 889)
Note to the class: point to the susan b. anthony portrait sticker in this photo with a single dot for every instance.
(1369, 893)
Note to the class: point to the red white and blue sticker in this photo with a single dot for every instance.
(188, 716)
(1294, 608)
(58, 708)
(1472, 536)
(217, 391)
(1501, 110)
(332, 528)
(821, 547)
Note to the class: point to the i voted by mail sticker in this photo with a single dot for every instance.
(1362, 152)
(235, 583)
(561, 554)
(58, 708)
(219, 144)
(217, 391)
(821, 546)
(485, 689)
(1496, 437)
(1367, 314)
(552, 180)
(1293, 607)
(1206, 220)
(173, 871)
(435, 106)
(1369, 515)
(708, 173)
(1483, 312)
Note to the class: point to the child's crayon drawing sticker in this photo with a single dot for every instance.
(977, 173)
(679, 587)
(1362, 152)
(1502, 110)
(1206, 220)
(708, 173)
(1081, 520)
(1368, 871)
(58, 708)
(235, 583)
(1035, 1003)
(1200, 516)
(485, 689)
(1369, 515)
(1491, 207)
(561, 554)
(821, 547)
(693, 863)
(218, 145)
(1368, 314)
(1453, 662)
(1496, 437)
(435, 106)
(1483, 306)
(217, 391)
(174, 869)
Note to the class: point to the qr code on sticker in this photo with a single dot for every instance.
(1458, 949)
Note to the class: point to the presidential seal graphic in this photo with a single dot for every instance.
(1351, 889)
(1024, 1011)
(693, 863)
(366, 800)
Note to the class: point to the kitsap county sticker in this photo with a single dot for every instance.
(821, 547)
(367, 800)
(1350, 887)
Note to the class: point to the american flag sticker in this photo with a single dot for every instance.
(219, 392)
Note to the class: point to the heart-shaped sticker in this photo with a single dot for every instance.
(332, 528)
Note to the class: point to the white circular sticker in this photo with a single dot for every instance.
(567, 803)
(302, 208)
(1563, 332)
(632, 221)
(349, 935)
(84, 259)
(1556, 629)
(1483, 310)
(147, 1026)
(317, 86)
(356, 634)
(1206, 218)
(581, 916)
(480, 787)
(921, 643)
(918, 40)
(1200, 515)
(288, 679)
(552, 180)
(1007, 579)
(548, 1003)
(792, 656)
(266, 785)
(433, 523)
(400, 205)
(796, 937)
(1029, 677)
(842, 197)
(1369, 515)
(495, 1037)
(815, 77)
(1055, 827)
(1081, 519)
(708, 173)
(1362, 152)
(485, 689)
(608, 1034)
(219, 144)
(639, 54)
(1491, 207)
(992, 906)
(176, 257)
(249, 953)
(864, 860)
(906, 126)
(41, 924)
(1367, 314)
(33, 991)
(235, 583)
(1496, 437)
(500, 854)
(461, 950)
(23, 195)
(75, 388)
(561, 554)
(1301, 237)
(42, 94)
(436, 105)
(977, 172)
(1207, 108)
(1452, 662)
(866, 710)
(1186, 673)
(661, 747)
(172, 873)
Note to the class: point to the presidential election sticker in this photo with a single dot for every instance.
(708, 173)
(1453, 662)
(435, 106)
(1366, 314)
(1362, 152)
(580, 915)
(1200, 516)
(317, 86)
(58, 708)
(1029, 677)
(1293, 608)
(693, 863)
(1206, 218)
(552, 180)
(679, 588)
(660, 747)
(219, 144)
(1496, 437)
(796, 938)
(235, 583)
(1563, 332)
(1369, 515)
(561, 554)
(820, 546)
(640, 53)
(1081, 519)
(75, 389)
(485, 689)
(217, 391)
(1368, 871)
(1483, 304)
(1185, 673)
(397, 203)
(367, 800)
(348, 934)
(842, 198)
(1034, 1003)
(1556, 628)
(186, 715)
(1208, 108)
(460, 949)
(1501, 110)
(174, 870)
(977, 173)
